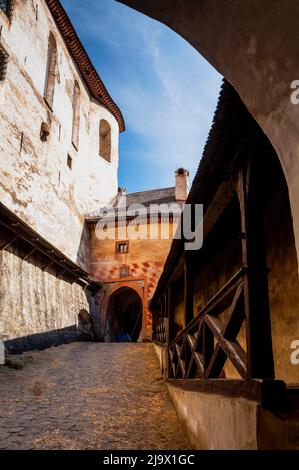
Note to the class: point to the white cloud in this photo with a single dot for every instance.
(166, 90)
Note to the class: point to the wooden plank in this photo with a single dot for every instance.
(171, 310)
(7, 244)
(217, 304)
(228, 330)
(208, 346)
(217, 363)
(231, 348)
(196, 365)
(29, 254)
(188, 289)
(217, 206)
(62, 273)
(181, 363)
(235, 316)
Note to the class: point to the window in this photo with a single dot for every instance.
(122, 247)
(76, 115)
(124, 271)
(6, 7)
(69, 162)
(51, 71)
(105, 140)
(3, 63)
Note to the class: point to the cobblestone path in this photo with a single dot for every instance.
(88, 396)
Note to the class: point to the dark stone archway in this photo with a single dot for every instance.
(124, 315)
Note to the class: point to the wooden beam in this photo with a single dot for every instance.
(208, 346)
(62, 273)
(217, 206)
(188, 288)
(11, 222)
(29, 254)
(218, 303)
(171, 307)
(12, 240)
(232, 350)
(256, 295)
(181, 363)
(48, 265)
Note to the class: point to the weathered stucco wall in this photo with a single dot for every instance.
(216, 422)
(33, 301)
(145, 260)
(35, 180)
(283, 286)
(145, 257)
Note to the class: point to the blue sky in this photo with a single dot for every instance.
(166, 91)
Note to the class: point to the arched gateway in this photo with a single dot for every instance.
(123, 309)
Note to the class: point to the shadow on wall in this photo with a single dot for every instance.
(83, 260)
(83, 253)
(37, 295)
(45, 340)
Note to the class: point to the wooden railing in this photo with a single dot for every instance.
(192, 353)
(210, 339)
(159, 333)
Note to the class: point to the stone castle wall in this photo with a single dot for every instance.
(35, 180)
(39, 308)
(36, 302)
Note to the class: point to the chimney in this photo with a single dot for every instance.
(181, 184)
(121, 191)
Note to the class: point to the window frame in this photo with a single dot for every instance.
(121, 242)
(105, 133)
(69, 162)
(8, 12)
(4, 58)
(76, 115)
(51, 71)
(127, 273)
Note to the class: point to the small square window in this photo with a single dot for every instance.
(6, 7)
(124, 271)
(122, 247)
(69, 162)
(3, 63)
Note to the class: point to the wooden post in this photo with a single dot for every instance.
(171, 306)
(155, 319)
(165, 315)
(256, 297)
(208, 347)
(188, 289)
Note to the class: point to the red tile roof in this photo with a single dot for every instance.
(89, 74)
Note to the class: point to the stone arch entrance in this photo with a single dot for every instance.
(124, 315)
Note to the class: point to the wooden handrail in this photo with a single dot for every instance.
(224, 292)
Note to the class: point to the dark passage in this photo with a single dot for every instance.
(125, 315)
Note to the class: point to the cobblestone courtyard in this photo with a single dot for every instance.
(88, 396)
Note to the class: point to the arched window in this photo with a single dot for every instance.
(76, 115)
(51, 71)
(105, 140)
